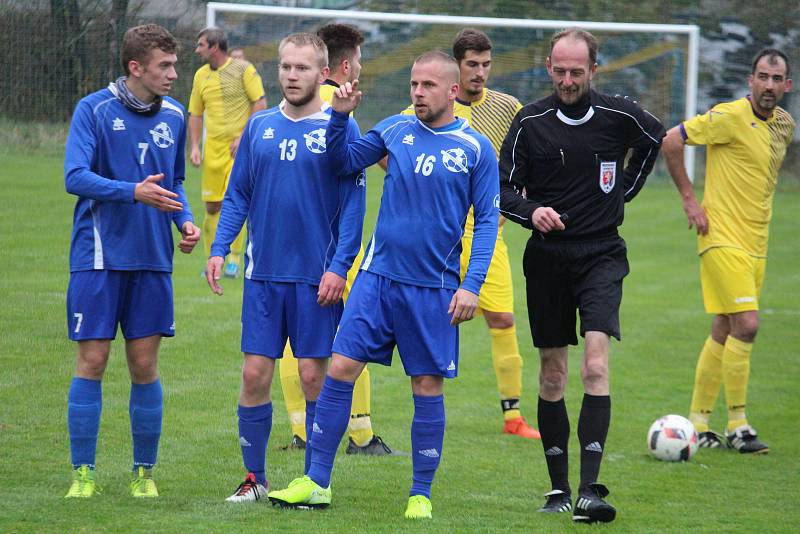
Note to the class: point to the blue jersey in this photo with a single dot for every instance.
(433, 176)
(303, 218)
(109, 150)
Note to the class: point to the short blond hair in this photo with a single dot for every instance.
(448, 62)
(307, 39)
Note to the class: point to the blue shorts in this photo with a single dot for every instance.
(382, 313)
(139, 301)
(273, 311)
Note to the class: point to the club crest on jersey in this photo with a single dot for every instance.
(455, 160)
(608, 175)
(315, 141)
(408, 140)
(269, 133)
(162, 135)
(118, 125)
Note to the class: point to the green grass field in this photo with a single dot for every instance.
(487, 481)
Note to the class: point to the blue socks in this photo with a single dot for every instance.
(427, 435)
(146, 408)
(255, 424)
(328, 427)
(311, 412)
(84, 404)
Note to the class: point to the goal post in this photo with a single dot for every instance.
(654, 63)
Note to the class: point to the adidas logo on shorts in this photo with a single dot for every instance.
(452, 366)
(316, 429)
(243, 442)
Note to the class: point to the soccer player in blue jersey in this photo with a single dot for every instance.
(125, 162)
(304, 226)
(437, 168)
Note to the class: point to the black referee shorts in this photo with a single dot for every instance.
(564, 276)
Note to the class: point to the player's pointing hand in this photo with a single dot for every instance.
(346, 97)
(149, 192)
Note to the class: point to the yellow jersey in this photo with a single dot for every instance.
(224, 97)
(744, 154)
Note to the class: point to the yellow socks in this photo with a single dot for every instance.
(360, 423)
(209, 231)
(293, 393)
(508, 369)
(736, 373)
(237, 247)
(707, 379)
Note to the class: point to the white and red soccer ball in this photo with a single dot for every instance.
(672, 438)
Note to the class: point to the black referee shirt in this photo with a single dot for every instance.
(572, 159)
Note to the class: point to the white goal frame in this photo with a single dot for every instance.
(691, 30)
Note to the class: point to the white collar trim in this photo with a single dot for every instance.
(575, 122)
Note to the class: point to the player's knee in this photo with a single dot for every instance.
(745, 327)
(552, 380)
(213, 207)
(311, 380)
(499, 320)
(91, 364)
(254, 379)
(594, 371)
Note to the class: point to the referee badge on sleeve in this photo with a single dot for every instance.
(608, 175)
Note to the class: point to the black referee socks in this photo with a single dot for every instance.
(554, 428)
(592, 431)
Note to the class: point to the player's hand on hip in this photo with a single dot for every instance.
(149, 192)
(190, 237)
(331, 287)
(463, 306)
(235, 146)
(214, 273)
(696, 215)
(195, 156)
(346, 97)
(546, 220)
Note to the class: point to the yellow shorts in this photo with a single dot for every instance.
(497, 292)
(731, 280)
(217, 165)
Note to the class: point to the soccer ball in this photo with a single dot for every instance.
(672, 438)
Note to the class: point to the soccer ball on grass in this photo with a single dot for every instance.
(672, 438)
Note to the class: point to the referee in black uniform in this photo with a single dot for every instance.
(563, 175)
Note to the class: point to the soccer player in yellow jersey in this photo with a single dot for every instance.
(747, 141)
(490, 113)
(225, 92)
(344, 57)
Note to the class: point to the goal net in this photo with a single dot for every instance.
(655, 64)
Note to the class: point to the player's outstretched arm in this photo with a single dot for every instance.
(672, 147)
(463, 306)
(150, 193)
(214, 273)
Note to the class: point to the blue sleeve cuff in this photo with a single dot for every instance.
(339, 116)
(471, 286)
(339, 268)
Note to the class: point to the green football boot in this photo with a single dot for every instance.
(142, 484)
(302, 493)
(83, 484)
(419, 507)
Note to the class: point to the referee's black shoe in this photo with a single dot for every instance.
(558, 501)
(590, 506)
